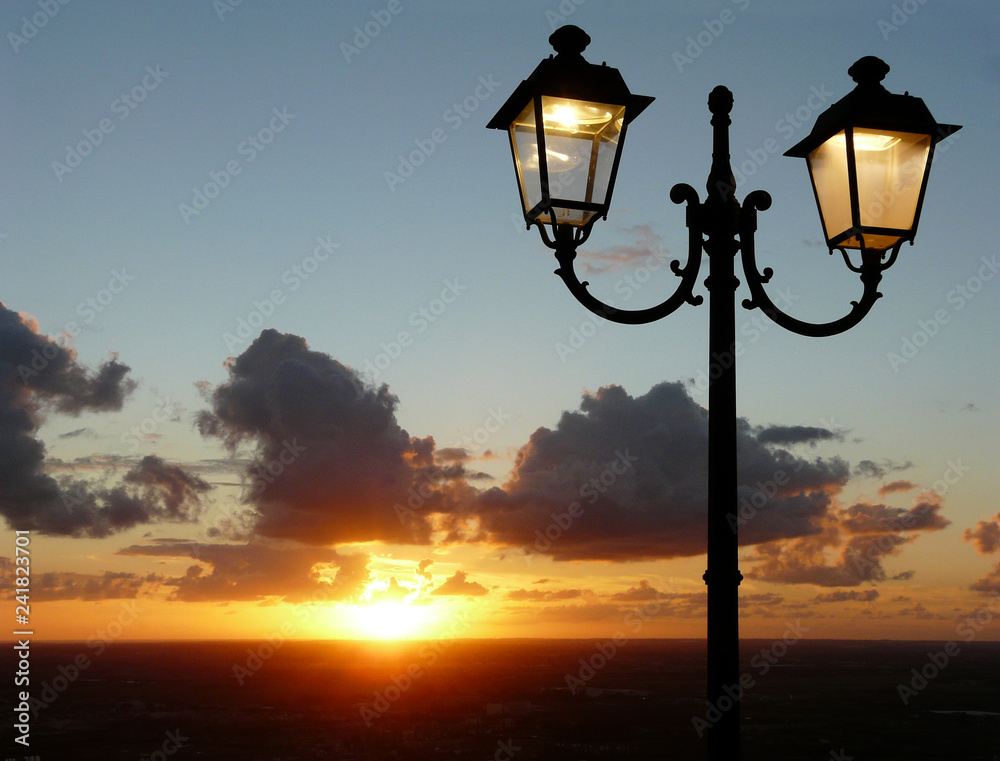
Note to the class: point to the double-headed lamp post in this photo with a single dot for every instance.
(868, 155)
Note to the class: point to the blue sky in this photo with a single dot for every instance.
(315, 201)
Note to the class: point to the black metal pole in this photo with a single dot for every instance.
(720, 224)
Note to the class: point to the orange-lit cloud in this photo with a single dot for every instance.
(458, 585)
(986, 539)
(850, 549)
(896, 486)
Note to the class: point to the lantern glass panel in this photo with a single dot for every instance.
(890, 174)
(524, 141)
(582, 140)
(828, 167)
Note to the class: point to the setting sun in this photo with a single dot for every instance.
(388, 620)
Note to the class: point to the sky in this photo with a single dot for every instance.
(279, 355)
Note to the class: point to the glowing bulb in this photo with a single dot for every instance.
(867, 141)
(577, 115)
(564, 115)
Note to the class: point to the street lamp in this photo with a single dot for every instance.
(868, 155)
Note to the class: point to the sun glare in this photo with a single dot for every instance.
(389, 620)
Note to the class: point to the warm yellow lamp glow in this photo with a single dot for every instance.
(865, 140)
(581, 141)
(884, 194)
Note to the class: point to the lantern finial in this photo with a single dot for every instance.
(571, 40)
(868, 70)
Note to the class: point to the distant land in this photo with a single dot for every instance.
(504, 699)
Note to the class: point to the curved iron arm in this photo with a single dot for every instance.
(870, 270)
(566, 239)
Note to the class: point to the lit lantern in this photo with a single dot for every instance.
(869, 156)
(567, 124)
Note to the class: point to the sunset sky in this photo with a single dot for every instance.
(274, 355)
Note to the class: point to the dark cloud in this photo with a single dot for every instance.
(39, 375)
(787, 435)
(865, 518)
(871, 469)
(50, 586)
(622, 478)
(851, 548)
(257, 571)
(177, 492)
(329, 462)
(851, 595)
(633, 471)
(452, 454)
(86, 432)
(985, 537)
(38, 372)
(458, 585)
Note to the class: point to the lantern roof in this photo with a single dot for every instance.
(569, 75)
(869, 105)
